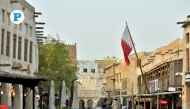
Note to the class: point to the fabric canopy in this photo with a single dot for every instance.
(3, 107)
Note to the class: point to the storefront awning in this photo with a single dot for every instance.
(27, 81)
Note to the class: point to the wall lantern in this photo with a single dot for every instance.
(1, 90)
(180, 95)
(13, 94)
(37, 96)
(25, 93)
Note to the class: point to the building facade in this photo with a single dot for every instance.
(72, 52)
(186, 64)
(121, 80)
(90, 88)
(159, 69)
(18, 56)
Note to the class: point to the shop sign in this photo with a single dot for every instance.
(163, 102)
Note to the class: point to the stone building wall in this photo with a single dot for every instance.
(186, 89)
(90, 82)
(27, 31)
(72, 52)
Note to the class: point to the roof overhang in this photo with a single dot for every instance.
(27, 81)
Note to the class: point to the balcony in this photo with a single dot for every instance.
(164, 75)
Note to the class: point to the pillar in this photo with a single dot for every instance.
(158, 101)
(18, 104)
(138, 102)
(6, 96)
(86, 104)
(186, 97)
(144, 103)
(36, 102)
(150, 103)
(29, 99)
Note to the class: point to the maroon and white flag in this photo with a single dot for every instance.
(126, 45)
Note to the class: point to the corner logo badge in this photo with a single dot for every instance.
(17, 16)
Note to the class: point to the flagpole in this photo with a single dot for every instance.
(138, 60)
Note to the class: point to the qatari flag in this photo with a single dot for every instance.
(126, 45)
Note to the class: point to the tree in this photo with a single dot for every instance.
(55, 62)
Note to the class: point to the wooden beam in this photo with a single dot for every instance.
(39, 31)
(40, 23)
(15, 68)
(5, 65)
(39, 27)
(183, 22)
(150, 59)
(40, 34)
(35, 15)
(157, 53)
(170, 50)
(41, 37)
(24, 69)
(14, 1)
(39, 13)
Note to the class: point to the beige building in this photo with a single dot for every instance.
(186, 64)
(159, 68)
(18, 56)
(122, 79)
(92, 79)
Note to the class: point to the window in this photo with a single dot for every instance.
(8, 19)
(2, 41)
(124, 84)
(20, 27)
(30, 57)
(25, 49)
(26, 27)
(187, 59)
(14, 45)
(30, 31)
(3, 15)
(187, 38)
(93, 70)
(8, 44)
(19, 47)
(85, 70)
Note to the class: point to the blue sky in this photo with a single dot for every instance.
(97, 25)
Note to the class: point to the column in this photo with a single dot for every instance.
(138, 102)
(158, 101)
(29, 99)
(86, 103)
(150, 103)
(144, 103)
(6, 96)
(36, 102)
(18, 97)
